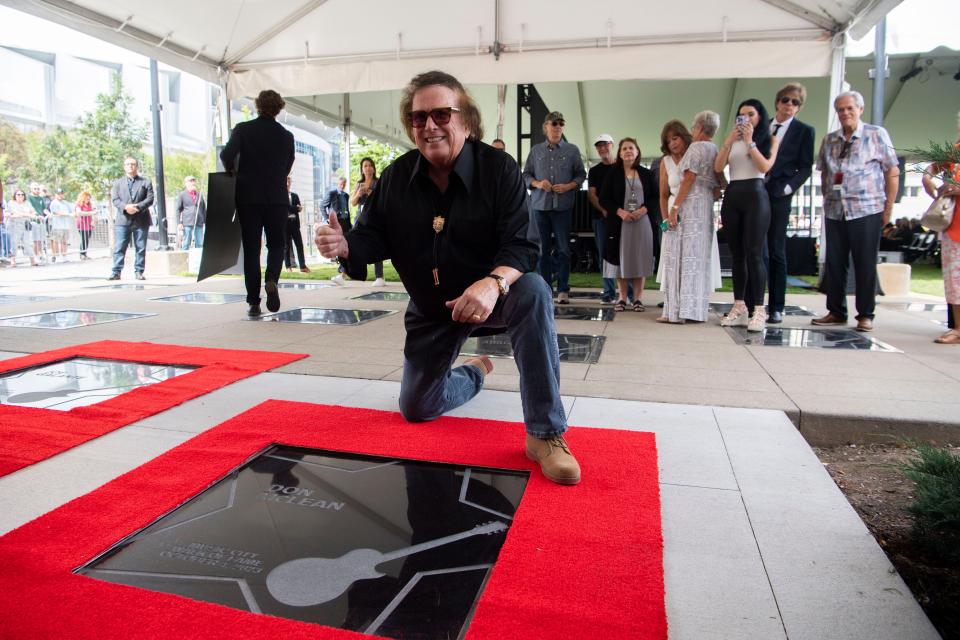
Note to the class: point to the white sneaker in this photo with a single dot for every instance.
(738, 317)
(758, 322)
(379, 282)
(338, 279)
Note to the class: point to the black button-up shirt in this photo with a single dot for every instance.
(486, 224)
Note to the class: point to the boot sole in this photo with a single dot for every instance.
(558, 480)
(273, 296)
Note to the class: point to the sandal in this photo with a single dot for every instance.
(950, 337)
(621, 305)
(638, 306)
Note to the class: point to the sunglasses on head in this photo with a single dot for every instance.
(793, 101)
(557, 123)
(441, 116)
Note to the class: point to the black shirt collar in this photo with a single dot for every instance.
(463, 167)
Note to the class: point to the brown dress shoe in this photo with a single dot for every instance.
(864, 325)
(828, 320)
(555, 459)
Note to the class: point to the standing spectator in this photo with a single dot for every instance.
(266, 153)
(61, 220)
(337, 205)
(860, 177)
(629, 195)
(20, 218)
(362, 192)
(750, 151)
(132, 197)
(604, 147)
(499, 144)
(4, 234)
(191, 214)
(292, 235)
(38, 228)
(949, 240)
(688, 242)
(553, 172)
(791, 169)
(83, 210)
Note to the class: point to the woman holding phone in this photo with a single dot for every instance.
(750, 151)
(365, 185)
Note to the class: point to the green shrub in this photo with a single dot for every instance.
(936, 506)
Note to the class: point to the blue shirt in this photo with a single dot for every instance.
(560, 163)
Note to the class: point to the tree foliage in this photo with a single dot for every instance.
(50, 158)
(103, 138)
(13, 151)
(381, 153)
(177, 166)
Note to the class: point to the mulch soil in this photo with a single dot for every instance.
(871, 477)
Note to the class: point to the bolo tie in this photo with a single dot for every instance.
(443, 204)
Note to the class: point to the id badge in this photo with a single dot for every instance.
(632, 204)
(838, 181)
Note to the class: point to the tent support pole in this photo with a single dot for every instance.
(346, 139)
(879, 73)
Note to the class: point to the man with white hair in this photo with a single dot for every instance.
(191, 214)
(604, 146)
(860, 175)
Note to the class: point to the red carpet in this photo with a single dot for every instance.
(29, 434)
(578, 562)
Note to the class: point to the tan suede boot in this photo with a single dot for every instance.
(556, 461)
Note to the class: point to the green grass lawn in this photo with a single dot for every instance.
(925, 278)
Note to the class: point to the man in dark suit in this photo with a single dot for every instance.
(338, 202)
(264, 151)
(790, 170)
(191, 214)
(132, 197)
(293, 237)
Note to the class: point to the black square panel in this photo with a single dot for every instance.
(203, 297)
(723, 308)
(129, 286)
(601, 314)
(79, 382)
(315, 315)
(390, 296)
(386, 547)
(68, 318)
(809, 339)
(306, 285)
(586, 295)
(12, 299)
(75, 278)
(573, 348)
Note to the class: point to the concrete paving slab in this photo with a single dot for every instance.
(830, 578)
(706, 533)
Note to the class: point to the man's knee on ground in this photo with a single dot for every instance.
(414, 410)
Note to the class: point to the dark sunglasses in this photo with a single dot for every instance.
(418, 119)
(558, 123)
(793, 101)
(19, 193)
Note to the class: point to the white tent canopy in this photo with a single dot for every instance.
(309, 47)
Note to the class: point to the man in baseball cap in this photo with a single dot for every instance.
(604, 146)
(553, 173)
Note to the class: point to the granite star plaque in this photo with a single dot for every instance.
(387, 547)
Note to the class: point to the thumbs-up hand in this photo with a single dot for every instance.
(330, 240)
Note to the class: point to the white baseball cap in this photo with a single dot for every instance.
(603, 137)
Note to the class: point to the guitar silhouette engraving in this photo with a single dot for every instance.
(305, 582)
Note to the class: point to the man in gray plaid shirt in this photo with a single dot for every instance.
(859, 175)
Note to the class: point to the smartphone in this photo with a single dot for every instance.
(742, 120)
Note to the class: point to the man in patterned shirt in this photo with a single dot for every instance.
(860, 175)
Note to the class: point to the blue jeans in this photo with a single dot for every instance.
(558, 223)
(122, 235)
(599, 236)
(431, 387)
(194, 232)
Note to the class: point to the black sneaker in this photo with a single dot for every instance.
(273, 296)
(114, 276)
(139, 276)
(254, 311)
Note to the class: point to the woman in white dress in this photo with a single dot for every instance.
(689, 238)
